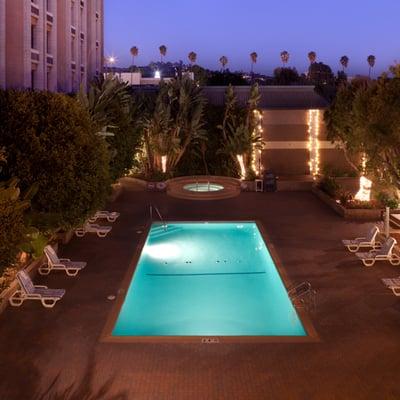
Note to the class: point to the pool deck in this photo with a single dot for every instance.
(357, 318)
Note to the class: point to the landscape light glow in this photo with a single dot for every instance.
(164, 164)
(242, 167)
(313, 142)
(364, 193)
(157, 74)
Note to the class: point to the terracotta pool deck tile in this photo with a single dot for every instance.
(357, 319)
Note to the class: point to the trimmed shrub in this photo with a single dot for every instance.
(329, 185)
(50, 141)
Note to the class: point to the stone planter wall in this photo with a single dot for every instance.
(357, 214)
(117, 190)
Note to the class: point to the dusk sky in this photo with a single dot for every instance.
(234, 28)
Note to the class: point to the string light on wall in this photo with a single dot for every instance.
(313, 141)
(256, 156)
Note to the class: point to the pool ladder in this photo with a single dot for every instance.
(157, 211)
(303, 296)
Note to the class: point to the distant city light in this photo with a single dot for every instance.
(111, 60)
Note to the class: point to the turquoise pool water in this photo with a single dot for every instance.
(203, 187)
(206, 279)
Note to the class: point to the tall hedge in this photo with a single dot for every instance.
(12, 229)
(50, 140)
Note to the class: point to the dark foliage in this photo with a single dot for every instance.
(50, 142)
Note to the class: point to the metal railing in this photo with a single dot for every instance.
(303, 295)
(157, 211)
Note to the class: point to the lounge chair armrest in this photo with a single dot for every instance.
(41, 287)
(64, 259)
(360, 238)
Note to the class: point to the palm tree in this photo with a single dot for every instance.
(253, 58)
(163, 51)
(223, 60)
(192, 56)
(312, 56)
(284, 57)
(371, 62)
(134, 52)
(344, 60)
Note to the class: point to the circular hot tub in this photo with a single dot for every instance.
(203, 187)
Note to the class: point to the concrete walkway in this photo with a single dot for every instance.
(357, 319)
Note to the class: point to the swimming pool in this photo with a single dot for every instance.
(206, 279)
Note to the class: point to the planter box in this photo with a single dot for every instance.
(357, 214)
(117, 190)
(65, 237)
(248, 186)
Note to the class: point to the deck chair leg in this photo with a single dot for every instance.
(44, 269)
(16, 300)
(368, 263)
(48, 303)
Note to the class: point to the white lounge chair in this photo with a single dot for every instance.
(53, 262)
(100, 230)
(29, 291)
(110, 216)
(393, 284)
(368, 241)
(385, 253)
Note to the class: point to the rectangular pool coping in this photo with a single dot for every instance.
(107, 336)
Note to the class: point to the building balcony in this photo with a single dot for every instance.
(49, 59)
(35, 55)
(49, 18)
(35, 10)
(73, 30)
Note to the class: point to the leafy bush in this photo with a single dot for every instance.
(386, 201)
(329, 185)
(209, 159)
(113, 109)
(11, 222)
(51, 142)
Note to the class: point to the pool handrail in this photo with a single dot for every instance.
(153, 207)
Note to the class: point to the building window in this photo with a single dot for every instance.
(33, 36)
(72, 49)
(72, 81)
(48, 42)
(48, 80)
(72, 13)
(33, 79)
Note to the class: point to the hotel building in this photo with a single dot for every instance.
(54, 45)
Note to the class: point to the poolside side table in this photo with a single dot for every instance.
(259, 185)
